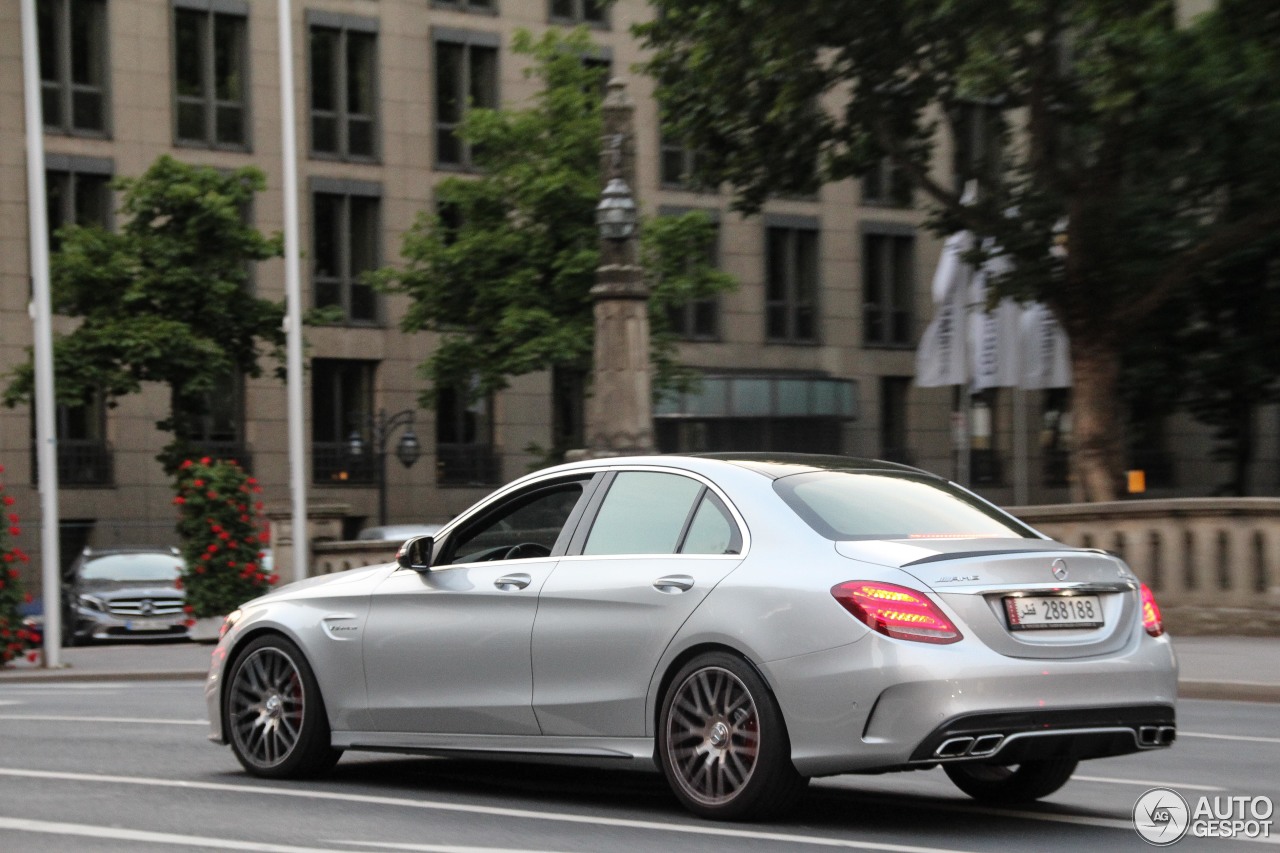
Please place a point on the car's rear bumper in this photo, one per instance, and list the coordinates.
(882, 704)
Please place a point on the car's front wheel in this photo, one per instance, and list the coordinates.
(274, 712)
(1009, 784)
(722, 742)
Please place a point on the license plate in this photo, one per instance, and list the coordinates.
(1031, 613)
(147, 625)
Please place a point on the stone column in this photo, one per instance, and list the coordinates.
(620, 409)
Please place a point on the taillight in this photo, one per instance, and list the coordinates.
(896, 611)
(1151, 613)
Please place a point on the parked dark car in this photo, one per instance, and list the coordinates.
(125, 593)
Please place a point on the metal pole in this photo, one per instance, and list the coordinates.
(381, 428)
(1021, 480)
(41, 315)
(293, 298)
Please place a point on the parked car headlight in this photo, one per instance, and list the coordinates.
(92, 602)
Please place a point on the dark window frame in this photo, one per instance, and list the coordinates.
(886, 324)
(580, 13)
(465, 463)
(77, 169)
(684, 319)
(332, 462)
(62, 87)
(885, 185)
(803, 241)
(212, 11)
(347, 28)
(475, 7)
(468, 42)
(346, 280)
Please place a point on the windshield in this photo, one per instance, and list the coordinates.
(842, 505)
(163, 568)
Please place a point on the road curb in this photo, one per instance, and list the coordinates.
(56, 676)
(1234, 691)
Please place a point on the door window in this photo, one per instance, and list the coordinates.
(644, 513)
(711, 531)
(525, 526)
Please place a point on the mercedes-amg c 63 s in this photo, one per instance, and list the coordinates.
(739, 622)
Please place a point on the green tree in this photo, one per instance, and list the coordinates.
(166, 298)
(503, 270)
(1119, 127)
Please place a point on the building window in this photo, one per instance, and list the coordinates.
(977, 133)
(466, 77)
(699, 319)
(886, 186)
(893, 418)
(888, 288)
(343, 86)
(73, 65)
(791, 285)
(488, 6)
(218, 429)
(210, 67)
(1055, 436)
(679, 164)
(464, 439)
(345, 247)
(579, 12)
(85, 458)
(985, 467)
(78, 193)
(341, 404)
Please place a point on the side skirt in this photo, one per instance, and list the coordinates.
(619, 753)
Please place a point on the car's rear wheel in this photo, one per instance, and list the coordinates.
(274, 712)
(722, 742)
(1017, 783)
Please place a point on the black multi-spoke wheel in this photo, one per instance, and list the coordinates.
(275, 716)
(722, 743)
(1016, 783)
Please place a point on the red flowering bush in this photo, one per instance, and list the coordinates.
(220, 522)
(13, 636)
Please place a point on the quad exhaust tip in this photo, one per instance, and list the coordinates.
(960, 747)
(1151, 736)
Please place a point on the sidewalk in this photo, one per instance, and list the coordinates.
(1239, 668)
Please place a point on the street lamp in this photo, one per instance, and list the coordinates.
(619, 411)
(408, 449)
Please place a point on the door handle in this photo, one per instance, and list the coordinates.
(509, 583)
(673, 584)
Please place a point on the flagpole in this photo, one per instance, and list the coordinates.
(42, 319)
(1020, 473)
(293, 299)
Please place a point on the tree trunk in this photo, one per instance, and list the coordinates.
(1097, 458)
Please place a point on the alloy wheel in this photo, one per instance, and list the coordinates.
(712, 736)
(267, 703)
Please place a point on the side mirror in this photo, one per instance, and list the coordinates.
(416, 554)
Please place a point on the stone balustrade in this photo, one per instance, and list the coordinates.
(1213, 563)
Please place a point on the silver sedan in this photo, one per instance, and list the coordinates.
(741, 623)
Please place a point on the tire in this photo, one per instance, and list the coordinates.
(274, 713)
(1008, 785)
(722, 742)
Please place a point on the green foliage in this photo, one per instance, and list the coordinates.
(166, 298)
(223, 536)
(13, 636)
(1151, 144)
(505, 274)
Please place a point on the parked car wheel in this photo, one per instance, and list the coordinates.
(275, 713)
(1018, 783)
(722, 742)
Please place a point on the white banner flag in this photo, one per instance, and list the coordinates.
(1046, 352)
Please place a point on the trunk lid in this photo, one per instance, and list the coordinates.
(988, 583)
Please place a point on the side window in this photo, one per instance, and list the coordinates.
(712, 531)
(644, 513)
(526, 526)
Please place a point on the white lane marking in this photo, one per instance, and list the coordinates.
(51, 718)
(433, 848)
(117, 834)
(11, 702)
(1143, 783)
(492, 811)
(1250, 739)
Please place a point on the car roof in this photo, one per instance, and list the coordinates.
(776, 465)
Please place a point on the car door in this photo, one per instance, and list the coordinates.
(658, 542)
(447, 650)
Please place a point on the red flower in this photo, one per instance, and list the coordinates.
(204, 460)
(179, 500)
(186, 464)
(258, 506)
(15, 530)
(231, 564)
(199, 484)
(13, 516)
(200, 569)
(188, 609)
(13, 573)
(9, 501)
(211, 494)
(213, 548)
(177, 583)
(273, 579)
(33, 656)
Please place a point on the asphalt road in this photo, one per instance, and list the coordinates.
(125, 766)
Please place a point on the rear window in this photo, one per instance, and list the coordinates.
(842, 505)
(132, 567)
